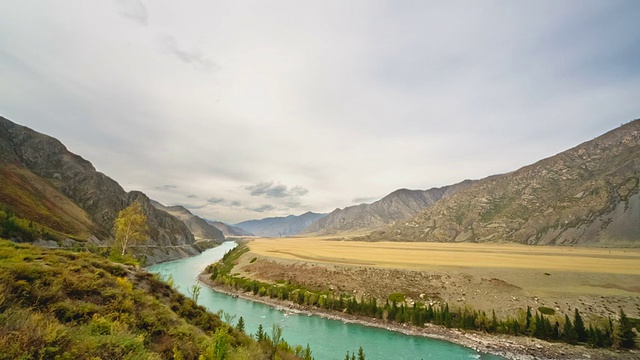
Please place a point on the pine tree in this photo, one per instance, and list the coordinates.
(568, 331)
(625, 331)
(578, 325)
(361, 354)
(555, 333)
(240, 326)
(307, 353)
(528, 317)
(260, 334)
(494, 321)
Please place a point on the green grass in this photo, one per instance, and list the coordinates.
(546, 310)
(59, 304)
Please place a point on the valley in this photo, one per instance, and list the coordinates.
(505, 278)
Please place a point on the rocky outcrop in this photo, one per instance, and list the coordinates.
(280, 226)
(51, 168)
(199, 227)
(400, 204)
(589, 194)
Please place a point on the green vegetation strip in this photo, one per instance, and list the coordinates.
(544, 324)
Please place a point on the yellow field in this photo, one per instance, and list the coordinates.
(426, 256)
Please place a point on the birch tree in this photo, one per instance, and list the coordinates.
(130, 227)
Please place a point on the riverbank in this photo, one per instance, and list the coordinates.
(510, 347)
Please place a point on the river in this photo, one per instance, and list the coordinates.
(329, 339)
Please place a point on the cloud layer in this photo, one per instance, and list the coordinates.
(255, 109)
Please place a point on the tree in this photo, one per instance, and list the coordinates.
(578, 325)
(260, 335)
(625, 332)
(222, 343)
(361, 354)
(240, 326)
(276, 335)
(307, 353)
(194, 292)
(130, 227)
(569, 332)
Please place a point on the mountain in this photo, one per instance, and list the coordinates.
(229, 230)
(400, 204)
(280, 226)
(66, 199)
(588, 195)
(199, 227)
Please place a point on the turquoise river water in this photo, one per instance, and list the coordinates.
(329, 339)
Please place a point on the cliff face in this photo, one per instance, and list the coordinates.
(585, 195)
(40, 164)
(400, 204)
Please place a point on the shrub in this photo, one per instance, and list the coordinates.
(546, 310)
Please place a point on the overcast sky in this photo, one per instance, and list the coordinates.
(247, 109)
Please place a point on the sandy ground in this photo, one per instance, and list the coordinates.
(504, 278)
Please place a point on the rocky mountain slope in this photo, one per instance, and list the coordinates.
(52, 187)
(400, 204)
(589, 194)
(229, 230)
(199, 227)
(280, 226)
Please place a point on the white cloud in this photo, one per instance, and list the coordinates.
(346, 100)
(133, 10)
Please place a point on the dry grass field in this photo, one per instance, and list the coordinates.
(438, 256)
(504, 277)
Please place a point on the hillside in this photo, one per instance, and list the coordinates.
(400, 204)
(280, 226)
(62, 194)
(588, 195)
(69, 305)
(199, 227)
(229, 230)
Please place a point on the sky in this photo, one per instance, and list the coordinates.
(249, 109)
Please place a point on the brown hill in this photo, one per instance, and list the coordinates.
(586, 195)
(46, 184)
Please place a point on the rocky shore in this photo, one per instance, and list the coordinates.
(510, 347)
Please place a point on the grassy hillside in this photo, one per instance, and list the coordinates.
(33, 198)
(68, 305)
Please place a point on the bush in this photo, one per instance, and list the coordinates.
(546, 310)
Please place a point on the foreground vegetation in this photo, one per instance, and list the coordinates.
(59, 304)
(543, 323)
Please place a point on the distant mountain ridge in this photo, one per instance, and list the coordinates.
(280, 226)
(589, 194)
(398, 205)
(199, 227)
(229, 230)
(47, 184)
